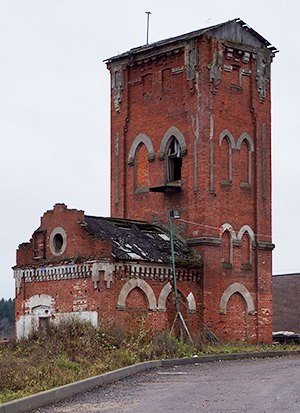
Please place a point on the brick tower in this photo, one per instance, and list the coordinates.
(191, 131)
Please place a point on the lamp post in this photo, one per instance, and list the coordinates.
(175, 215)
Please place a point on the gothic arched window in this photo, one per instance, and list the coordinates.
(227, 143)
(246, 237)
(140, 154)
(173, 160)
(246, 147)
(228, 236)
(141, 168)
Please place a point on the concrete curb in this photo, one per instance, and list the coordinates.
(60, 393)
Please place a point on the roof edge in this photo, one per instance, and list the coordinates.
(190, 35)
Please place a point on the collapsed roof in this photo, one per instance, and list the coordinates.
(138, 240)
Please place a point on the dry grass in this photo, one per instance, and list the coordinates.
(76, 350)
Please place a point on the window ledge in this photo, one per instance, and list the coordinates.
(226, 265)
(141, 190)
(246, 266)
(172, 186)
(245, 185)
(226, 183)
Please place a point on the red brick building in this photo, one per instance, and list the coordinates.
(190, 131)
(102, 270)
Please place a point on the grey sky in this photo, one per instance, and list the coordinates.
(54, 105)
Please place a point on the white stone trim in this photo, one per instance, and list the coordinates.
(242, 290)
(58, 231)
(162, 299)
(136, 283)
(142, 138)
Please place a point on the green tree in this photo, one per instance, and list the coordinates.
(7, 317)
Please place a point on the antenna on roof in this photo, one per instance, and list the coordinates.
(148, 14)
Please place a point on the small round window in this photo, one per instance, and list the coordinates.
(58, 241)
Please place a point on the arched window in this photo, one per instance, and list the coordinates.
(226, 250)
(140, 154)
(141, 138)
(246, 251)
(141, 169)
(228, 235)
(246, 237)
(244, 163)
(246, 146)
(136, 299)
(226, 142)
(132, 284)
(173, 160)
(233, 289)
(172, 150)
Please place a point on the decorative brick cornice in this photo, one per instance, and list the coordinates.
(154, 272)
(55, 273)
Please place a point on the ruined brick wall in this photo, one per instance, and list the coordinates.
(82, 279)
(217, 96)
(112, 304)
(79, 246)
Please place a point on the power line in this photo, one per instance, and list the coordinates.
(217, 228)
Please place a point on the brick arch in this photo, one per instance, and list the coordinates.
(166, 291)
(236, 288)
(139, 139)
(173, 131)
(162, 299)
(226, 227)
(129, 286)
(246, 228)
(245, 137)
(251, 235)
(40, 300)
(141, 169)
(225, 134)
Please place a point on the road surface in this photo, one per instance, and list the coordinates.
(241, 386)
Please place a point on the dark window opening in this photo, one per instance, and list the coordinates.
(44, 324)
(174, 161)
(58, 242)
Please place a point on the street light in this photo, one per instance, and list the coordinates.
(173, 214)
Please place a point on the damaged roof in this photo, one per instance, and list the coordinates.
(138, 240)
(226, 29)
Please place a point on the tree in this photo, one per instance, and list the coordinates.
(7, 317)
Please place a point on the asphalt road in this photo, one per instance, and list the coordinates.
(252, 385)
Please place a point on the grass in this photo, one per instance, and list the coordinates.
(75, 350)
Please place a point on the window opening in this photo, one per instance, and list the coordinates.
(58, 242)
(44, 324)
(174, 161)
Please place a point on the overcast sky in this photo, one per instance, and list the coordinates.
(54, 105)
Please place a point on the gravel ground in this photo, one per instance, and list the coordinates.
(243, 386)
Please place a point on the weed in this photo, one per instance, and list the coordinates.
(75, 350)
(63, 363)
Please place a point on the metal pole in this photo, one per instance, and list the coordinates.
(174, 275)
(148, 14)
